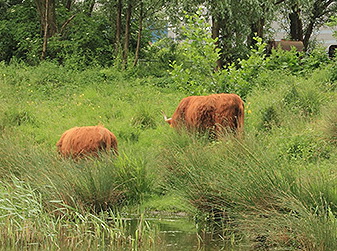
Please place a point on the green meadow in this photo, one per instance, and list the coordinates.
(273, 189)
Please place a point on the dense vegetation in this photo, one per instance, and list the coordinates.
(99, 32)
(273, 188)
(276, 187)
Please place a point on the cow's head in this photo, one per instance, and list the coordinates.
(166, 119)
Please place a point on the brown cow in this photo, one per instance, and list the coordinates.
(285, 45)
(215, 113)
(86, 141)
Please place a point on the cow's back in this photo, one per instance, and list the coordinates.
(200, 113)
(213, 112)
(229, 111)
(79, 141)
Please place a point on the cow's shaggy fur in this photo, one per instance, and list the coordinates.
(214, 113)
(78, 142)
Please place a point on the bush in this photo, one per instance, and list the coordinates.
(84, 43)
(158, 57)
(20, 29)
(285, 60)
(332, 69)
(193, 70)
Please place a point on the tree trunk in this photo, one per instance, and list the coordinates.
(46, 10)
(91, 5)
(215, 35)
(118, 27)
(307, 35)
(68, 4)
(296, 27)
(139, 37)
(127, 34)
(45, 35)
(257, 29)
(317, 11)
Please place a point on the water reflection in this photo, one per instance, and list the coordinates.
(180, 234)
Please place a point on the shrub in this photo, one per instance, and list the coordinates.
(285, 60)
(241, 78)
(158, 57)
(193, 70)
(84, 43)
(19, 26)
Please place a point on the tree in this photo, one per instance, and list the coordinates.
(305, 16)
(119, 8)
(234, 24)
(147, 12)
(140, 29)
(46, 11)
(127, 33)
(296, 26)
(320, 13)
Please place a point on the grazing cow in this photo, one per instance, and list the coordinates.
(285, 45)
(86, 141)
(214, 113)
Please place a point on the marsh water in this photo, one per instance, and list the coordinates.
(179, 233)
(165, 233)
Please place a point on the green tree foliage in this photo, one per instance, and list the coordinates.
(19, 31)
(193, 71)
(233, 23)
(85, 31)
(303, 17)
(86, 41)
(237, 24)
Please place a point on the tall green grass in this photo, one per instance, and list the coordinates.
(274, 188)
(256, 194)
(75, 204)
(25, 223)
(48, 202)
(94, 184)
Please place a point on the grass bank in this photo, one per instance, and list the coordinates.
(273, 188)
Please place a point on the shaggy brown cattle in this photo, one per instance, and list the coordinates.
(86, 141)
(285, 45)
(215, 113)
